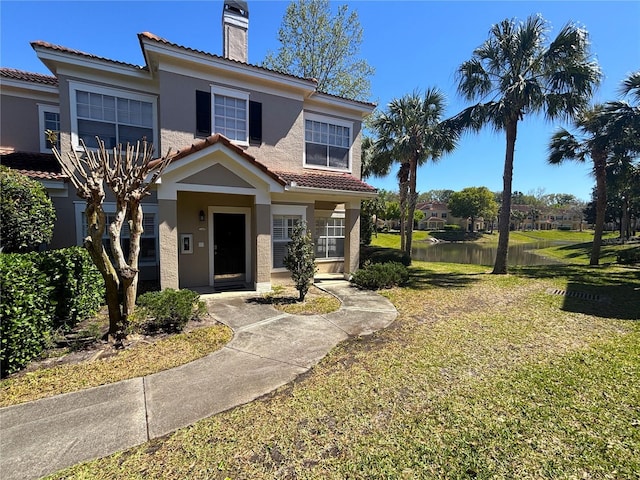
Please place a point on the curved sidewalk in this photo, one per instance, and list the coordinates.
(268, 350)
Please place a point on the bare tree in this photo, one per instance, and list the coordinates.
(129, 172)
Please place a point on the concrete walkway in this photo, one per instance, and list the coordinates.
(268, 350)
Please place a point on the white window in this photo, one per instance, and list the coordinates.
(283, 219)
(49, 119)
(115, 116)
(231, 114)
(327, 142)
(329, 235)
(148, 241)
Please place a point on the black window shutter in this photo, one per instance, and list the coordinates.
(203, 113)
(255, 122)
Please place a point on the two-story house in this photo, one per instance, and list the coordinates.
(255, 151)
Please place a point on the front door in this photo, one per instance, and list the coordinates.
(229, 249)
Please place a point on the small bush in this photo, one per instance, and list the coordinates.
(629, 256)
(369, 254)
(375, 276)
(452, 227)
(170, 310)
(300, 258)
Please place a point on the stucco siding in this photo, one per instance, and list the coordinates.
(20, 123)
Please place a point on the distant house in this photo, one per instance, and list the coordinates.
(257, 152)
(437, 215)
(547, 218)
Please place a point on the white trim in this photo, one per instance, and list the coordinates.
(27, 85)
(46, 55)
(211, 210)
(314, 117)
(42, 109)
(238, 95)
(56, 188)
(74, 86)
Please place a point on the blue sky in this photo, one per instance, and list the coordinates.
(412, 45)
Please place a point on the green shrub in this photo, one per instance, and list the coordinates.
(170, 310)
(452, 227)
(629, 256)
(300, 259)
(375, 276)
(26, 311)
(369, 254)
(26, 211)
(78, 285)
(41, 294)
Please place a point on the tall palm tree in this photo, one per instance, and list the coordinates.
(514, 73)
(411, 131)
(591, 140)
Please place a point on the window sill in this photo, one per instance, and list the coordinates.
(330, 259)
(327, 169)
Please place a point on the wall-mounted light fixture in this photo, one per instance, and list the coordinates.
(202, 215)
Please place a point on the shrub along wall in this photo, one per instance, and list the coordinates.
(42, 292)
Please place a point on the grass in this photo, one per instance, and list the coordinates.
(480, 376)
(316, 302)
(137, 362)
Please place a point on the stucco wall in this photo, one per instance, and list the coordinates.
(282, 122)
(20, 123)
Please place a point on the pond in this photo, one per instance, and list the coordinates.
(479, 254)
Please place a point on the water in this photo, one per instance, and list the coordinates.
(478, 254)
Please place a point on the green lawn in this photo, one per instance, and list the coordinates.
(480, 376)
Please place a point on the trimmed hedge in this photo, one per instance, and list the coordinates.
(629, 256)
(41, 293)
(79, 286)
(26, 210)
(26, 312)
(375, 276)
(170, 310)
(369, 254)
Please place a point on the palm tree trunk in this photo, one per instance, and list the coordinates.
(413, 196)
(500, 266)
(403, 177)
(599, 166)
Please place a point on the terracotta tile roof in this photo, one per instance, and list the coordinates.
(59, 48)
(326, 180)
(14, 74)
(156, 38)
(42, 166)
(311, 179)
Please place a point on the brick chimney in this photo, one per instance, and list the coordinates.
(235, 26)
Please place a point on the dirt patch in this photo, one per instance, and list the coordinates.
(85, 343)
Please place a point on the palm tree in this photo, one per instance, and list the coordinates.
(514, 73)
(591, 140)
(411, 131)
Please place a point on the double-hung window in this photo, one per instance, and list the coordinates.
(329, 235)
(327, 142)
(49, 119)
(115, 116)
(231, 114)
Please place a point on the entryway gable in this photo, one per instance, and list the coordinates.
(218, 168)
(217, 175)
